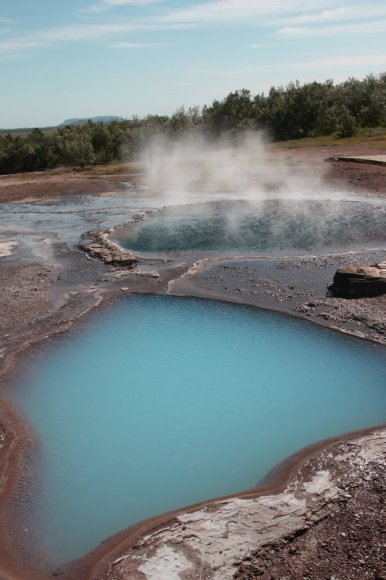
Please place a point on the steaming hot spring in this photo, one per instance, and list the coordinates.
(231, 199)
(268, 225)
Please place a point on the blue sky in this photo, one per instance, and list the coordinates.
(74, 58)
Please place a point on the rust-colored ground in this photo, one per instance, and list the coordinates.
(103, 180)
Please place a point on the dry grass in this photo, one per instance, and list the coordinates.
(375, 137)
(113, 168)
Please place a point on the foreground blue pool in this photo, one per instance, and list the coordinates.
(156, 403)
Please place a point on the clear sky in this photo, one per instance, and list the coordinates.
(71, 58)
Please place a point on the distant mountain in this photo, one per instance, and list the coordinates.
(84, 120)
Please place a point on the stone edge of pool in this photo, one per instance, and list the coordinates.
(15, 446)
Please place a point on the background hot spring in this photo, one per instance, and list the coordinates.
(267, 225)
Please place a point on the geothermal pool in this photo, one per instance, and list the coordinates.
(157, 402)
(269, 225)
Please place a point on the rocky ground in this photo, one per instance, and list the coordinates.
(284, 285)
(328, 532)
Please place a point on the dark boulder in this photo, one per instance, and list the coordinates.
(359, 281)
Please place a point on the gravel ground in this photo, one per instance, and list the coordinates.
(296, 286)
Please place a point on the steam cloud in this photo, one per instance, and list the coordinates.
(197, 169)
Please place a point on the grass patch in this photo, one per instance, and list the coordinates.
(376, 136)
(112, 169)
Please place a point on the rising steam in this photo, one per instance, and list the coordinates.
(194, 167)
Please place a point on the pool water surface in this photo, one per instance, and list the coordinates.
(265, 225)
(158, 402)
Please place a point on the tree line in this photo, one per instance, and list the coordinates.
(290, 112)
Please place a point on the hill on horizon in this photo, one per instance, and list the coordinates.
(84, 120)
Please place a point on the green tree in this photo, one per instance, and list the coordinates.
(233, 114)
